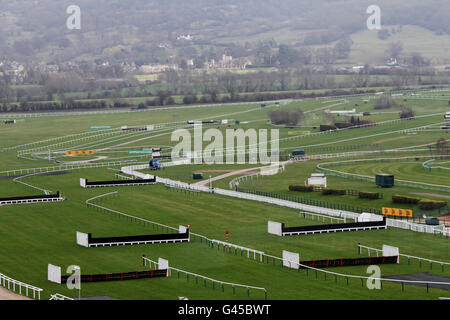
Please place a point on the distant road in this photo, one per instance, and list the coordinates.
(8, 295)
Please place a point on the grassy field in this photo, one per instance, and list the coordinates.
(367, 47)
(34, 235)
(402, 169)
(298, 173)
(50, 230)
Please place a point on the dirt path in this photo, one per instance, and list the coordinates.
(391, 139)
(85, 161)
(8, 295)
(225, 175)
(327, 107)
(217, 170)
(133, 141)
(225, 171)
(233, 173)
(431, 195)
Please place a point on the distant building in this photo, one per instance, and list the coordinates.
(157, 68)
(392, 62)
(228, 62)
(14, 70)
(186, 37)
(357, 68)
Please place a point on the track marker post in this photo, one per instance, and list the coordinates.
(226, 240)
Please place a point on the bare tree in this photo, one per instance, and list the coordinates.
(394, 49)
(288, 117)
(406, 113)
(442, 146)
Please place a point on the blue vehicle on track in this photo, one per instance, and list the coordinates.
(154, 164)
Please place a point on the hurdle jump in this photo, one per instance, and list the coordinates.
(146, 128)
(54, 275)
(119, 276)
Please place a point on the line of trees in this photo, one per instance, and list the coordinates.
(193, 84)
(384, 102)
(60, 106)
(166, 98)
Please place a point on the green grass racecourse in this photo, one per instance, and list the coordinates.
(298, 173)
(33, 235)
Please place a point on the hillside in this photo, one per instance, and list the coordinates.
(149, 31)
(368, 48)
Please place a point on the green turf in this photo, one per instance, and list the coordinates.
(34, 235)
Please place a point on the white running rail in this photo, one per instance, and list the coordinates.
(207, 278)
(58, 296)
(66, 167)
(236, 247)
(11, 284)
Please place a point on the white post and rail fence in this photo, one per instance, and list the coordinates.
(20, 287)
(205, 279)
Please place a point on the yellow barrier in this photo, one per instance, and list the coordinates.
(79, 152)
(398, 212)
(290, 133)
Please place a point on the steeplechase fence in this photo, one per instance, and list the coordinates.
(117, 183)
(32, 199)
(119, 276)
(86, 240)
(420, 260)
(55, 275)
(348, 262)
